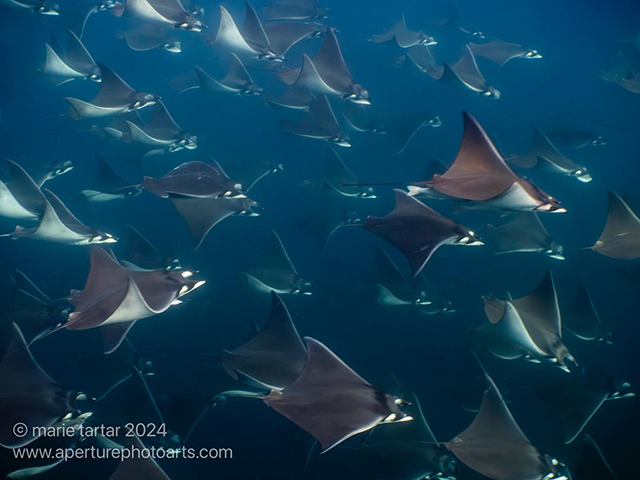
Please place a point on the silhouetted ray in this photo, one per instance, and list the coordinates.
(423, 59)
(320, 123)
(334, 172)
(494, 446)
(237, 80)
(631, 84)
(202, 214)
(276, 272)
(577, 398)
(284, 35)
(480, 176)
(418, 231)
(163, 12)
(295, 10)
(576, 138)
(454, 18)
(195, 180)
(43, 173)
(327, 74)
(149, 36)
(500, 52)
(114, 97)
(73, 63)
(29, 395)
(20, 197)
(404, 126)
(621, 235)
(114, 297)
(76, 18)
(360, 120)
(524, 234)
(621, 70)
(139, 466)
(434, 167)
(403, 37)
(250, 171)
(465, 74)
(544, 155)
(593, 465)
(348, 405)
(42, 7)
(107, 184)
(295, 98)
(143, 254)
(275, 356)
(581, 318)
(59, 225)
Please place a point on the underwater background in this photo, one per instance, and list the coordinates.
(429, 354)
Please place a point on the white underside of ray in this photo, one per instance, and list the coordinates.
(95, 196)
(140, 136)
(514, 198)
(51, 229)
(229, 35)
(385, 297)
(513, 328)
(54, 65)
(259, 286)
(143, 11)
(133, 307)
(11, 208)
(310, 79)
(89, 110)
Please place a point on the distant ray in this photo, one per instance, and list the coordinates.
(143, 254)
(494, 446)
(275, 356)
(500, 52)
(576, 138)
(42, 7)
(621, 235)
(524, 234)
(163, 12)
(403, 127)
(251, 171)
(334, 172)
(20, 196)
(348, 405)
(454, 18)
(115, 97)
(237, 80)
(360, 120)
(544, 155)
(284, 35)
(75, 62)
(327, 74)
(44, 173)
(465, 74)
(320, 123)
(295, 10)
(403, 37)
(423, 59)
(29, 395)
(621, 70)
(418, 231)
(149, 36)
(480, 176)
(581, 318)
(76, 18)
(59, 225)
(276, 272)
(577, 398)
(114, 297)
(631, 84)
(107, 184)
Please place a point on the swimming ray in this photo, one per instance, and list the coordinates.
(45, 172)
(276, 272)
(42, 7)
(423, 59)
(393, 289)
(621, 235)
(162, 132)
(544, 155)
(621, 70)
(107, 184)
(334, 172)
(320, 123)
(327, 74)
(114, 97)
(164, 12)
(359, 120)
(295, 98)
(237, 80)
(149, 36)
(251, 171)
(348, 405)
(581, 318)
(204, 213)
(142, 254)
(465, 74)
(403, 127)
(75, 19)
(403, 37)
(284, 35)
(576, 138)
(577, 398)
(480, 176)
(275, 356)
(500, 52)
(29, 396)
(59, 225)
(418, 231)
(139, 467)
(20, 196)
(295, 10)
(454, 18)
(631, 84)
(524, 234)
(494, 446)
(74, 63)
(115, 297)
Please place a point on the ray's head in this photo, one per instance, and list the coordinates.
(251, 90)
(107, 5)
(555, 251)
(582, 174)
(343, 139)
(466, 237)
(532, 54)
(142, 100)
(62, 168)
(598, 141)
(47, 8)
(102, 237)
(491, 92)
(173, 46)
(426, 40)
(95, 75)
(191, 25)
(360, 95)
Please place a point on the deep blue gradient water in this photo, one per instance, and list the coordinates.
(578, 40)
